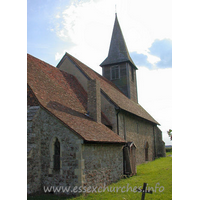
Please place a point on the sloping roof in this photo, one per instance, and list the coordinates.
(62, 95)
(118, 51)
(117, 97)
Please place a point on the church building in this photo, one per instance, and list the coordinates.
(85, 129)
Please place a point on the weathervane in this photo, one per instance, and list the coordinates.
(115, 9)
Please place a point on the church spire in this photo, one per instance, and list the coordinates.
(118, 51)
(118, 67)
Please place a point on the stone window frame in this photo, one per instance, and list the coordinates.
(57, 155)
(116, 69)
(51, 151)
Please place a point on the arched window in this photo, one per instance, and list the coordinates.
(146, 151)
(56, 155)
(55, 150)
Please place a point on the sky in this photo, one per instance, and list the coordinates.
(84, 28)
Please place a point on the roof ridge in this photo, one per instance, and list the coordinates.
(82, 92)
(52, 79)
(99, 75)
(39, 60)
(47, 85)
(126, 104)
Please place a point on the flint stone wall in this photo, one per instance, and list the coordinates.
(139, 131)
(103, 164)
(40, 171)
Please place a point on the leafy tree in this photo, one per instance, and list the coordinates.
(169, 132)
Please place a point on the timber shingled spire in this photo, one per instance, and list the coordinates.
(118, 51)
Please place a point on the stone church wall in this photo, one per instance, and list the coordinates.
(160, 145)
(103, 164)
(139, 131)
(47, 127)
(109, 110)
(70, 146)
(33, 151)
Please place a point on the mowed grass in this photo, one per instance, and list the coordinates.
(157, 174)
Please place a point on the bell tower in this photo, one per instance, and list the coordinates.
(118, 67)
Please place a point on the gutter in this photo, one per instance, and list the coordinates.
(103, 142)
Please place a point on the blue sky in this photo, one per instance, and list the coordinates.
(159, 48)
(41, 41)
(83, 29)
(49, 22)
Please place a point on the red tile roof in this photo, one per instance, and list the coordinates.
(62, 95)
(113, 92)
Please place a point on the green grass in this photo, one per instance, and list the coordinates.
(156, 172)
(169, 153)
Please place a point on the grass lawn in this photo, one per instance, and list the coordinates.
(156, 173)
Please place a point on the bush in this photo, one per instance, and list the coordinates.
(169, 149)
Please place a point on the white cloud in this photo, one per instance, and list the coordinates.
(88, 25)
(59, 56)
(57, 16)
(155, 95)
(152, 59)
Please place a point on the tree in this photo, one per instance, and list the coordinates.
(169, 132)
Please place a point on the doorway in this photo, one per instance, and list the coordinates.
(129, 159)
